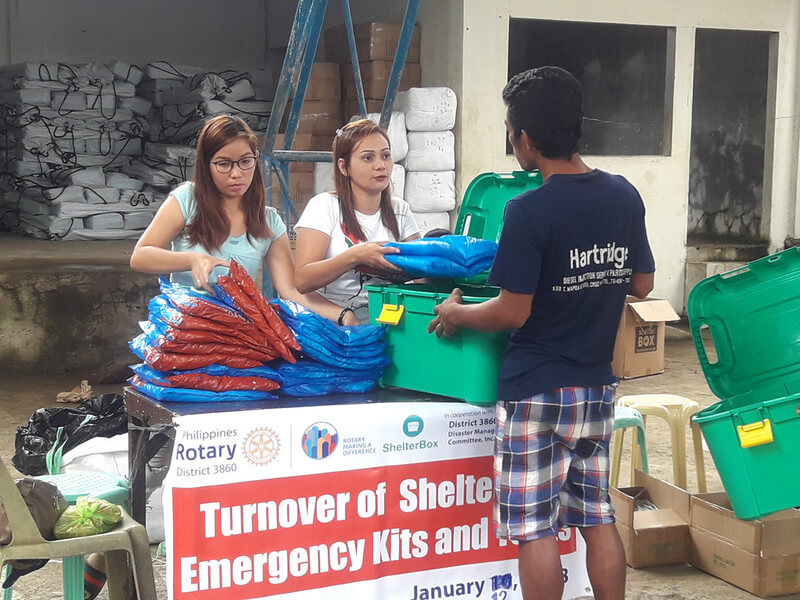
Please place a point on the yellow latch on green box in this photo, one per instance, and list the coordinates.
(755, 434)
(391, 314)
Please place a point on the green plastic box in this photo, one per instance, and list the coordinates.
(467, 365)
(752, 315)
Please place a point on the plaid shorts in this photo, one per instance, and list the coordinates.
(551, 462)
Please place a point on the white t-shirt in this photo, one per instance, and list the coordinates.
(324, 214)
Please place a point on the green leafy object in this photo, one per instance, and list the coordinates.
(89, 516)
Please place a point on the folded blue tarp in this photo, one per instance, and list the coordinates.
(450, 256)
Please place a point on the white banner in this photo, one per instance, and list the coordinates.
(385, 500)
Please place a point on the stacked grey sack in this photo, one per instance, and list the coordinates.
(66, 131)
(430, 115)
(183, 98)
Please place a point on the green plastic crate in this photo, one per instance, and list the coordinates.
(467, 365)
(753, 316)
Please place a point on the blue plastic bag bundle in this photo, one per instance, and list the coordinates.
(449, 256)
(358, 348)
(168, 394)
(308, 377)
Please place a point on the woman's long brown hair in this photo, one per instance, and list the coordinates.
(347, 138)
(210, 226)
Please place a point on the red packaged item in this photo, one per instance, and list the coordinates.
(212, 383)
(168, 361)
(241, 277)
(165, 344)
(161, 311)
(248, 307)
(207, 307)
(204, 336)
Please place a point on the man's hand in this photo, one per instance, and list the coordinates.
(442, 325)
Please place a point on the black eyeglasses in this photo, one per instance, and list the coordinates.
(226, 166)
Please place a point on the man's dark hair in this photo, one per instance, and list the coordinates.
(547, 104)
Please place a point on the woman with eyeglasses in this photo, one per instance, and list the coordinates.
(222, 215)
(341, 234)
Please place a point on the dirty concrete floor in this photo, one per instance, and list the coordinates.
(21, 396)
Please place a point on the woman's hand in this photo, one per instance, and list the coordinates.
(202, 265)
(373, 254)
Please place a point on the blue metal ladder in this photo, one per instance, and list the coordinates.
(300, 53)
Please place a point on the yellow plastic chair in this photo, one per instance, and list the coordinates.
(127, 541)
(677, 411)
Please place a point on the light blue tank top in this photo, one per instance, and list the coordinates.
(248, 253)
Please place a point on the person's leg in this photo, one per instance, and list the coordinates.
(584, 498)
(605, 561)
(94, 576)
(540, 569)
(531, 464)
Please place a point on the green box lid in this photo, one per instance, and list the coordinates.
(483, 207)
(753, 316)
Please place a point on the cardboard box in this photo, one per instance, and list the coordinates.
(760, 556)
(302, 141)
(375, 77)
(317, 117)
(322, 143)
(374, 41)
(657, 536)
(300, 192)
(351, 107)
(639, 349)
(324, 83)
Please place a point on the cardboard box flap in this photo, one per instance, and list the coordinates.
(623, 500)
(657, 519)
(654, 311)
(663, 494)
(775, 535)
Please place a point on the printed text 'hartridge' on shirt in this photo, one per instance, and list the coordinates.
(596, 255)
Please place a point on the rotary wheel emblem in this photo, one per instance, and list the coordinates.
(261, 446)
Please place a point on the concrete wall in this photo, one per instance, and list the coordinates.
(195, 32)
(70, 320)
(662, 180)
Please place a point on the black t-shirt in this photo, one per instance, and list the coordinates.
(574, 244)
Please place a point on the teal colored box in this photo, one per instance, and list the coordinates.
(752, 315)
(467, 365)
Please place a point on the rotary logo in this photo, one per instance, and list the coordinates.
(261, 446)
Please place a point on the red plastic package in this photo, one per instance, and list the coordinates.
(263, 355)
(207, 307)
(212, 383)
(205, 336)
(162, 311)
(247, 306)
(241, 277)
(168, 361)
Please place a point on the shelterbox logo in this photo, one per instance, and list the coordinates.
(413, 426)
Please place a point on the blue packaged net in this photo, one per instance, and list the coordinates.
(310, 378)
(167, 394)
(214, 378)
(358, 348)
(450, 256)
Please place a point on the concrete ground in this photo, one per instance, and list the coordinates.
(20, 396)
